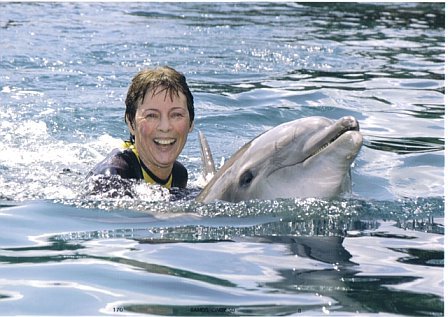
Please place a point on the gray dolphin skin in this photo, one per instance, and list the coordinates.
(304, 158)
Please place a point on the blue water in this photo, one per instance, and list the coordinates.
(64, 73)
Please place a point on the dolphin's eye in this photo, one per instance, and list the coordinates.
(246, 178)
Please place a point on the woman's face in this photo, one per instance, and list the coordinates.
(161, 128)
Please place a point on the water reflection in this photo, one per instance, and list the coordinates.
(271, 262)
(406, 145)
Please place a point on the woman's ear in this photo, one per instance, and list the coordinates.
(191, 127)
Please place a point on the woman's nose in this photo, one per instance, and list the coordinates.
(164, 124)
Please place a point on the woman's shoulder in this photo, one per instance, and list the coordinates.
(122, 162)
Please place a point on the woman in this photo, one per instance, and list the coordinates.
(159, 115)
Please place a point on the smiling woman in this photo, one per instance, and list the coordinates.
(159, 114)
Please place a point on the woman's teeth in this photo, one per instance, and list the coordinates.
(164, 141)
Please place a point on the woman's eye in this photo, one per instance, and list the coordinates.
(152, 116)
(177, 115)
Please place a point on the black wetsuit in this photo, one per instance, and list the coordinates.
(125, 164)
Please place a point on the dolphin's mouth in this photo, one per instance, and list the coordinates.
(322, 140)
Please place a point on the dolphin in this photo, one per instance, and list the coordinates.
(303, 158)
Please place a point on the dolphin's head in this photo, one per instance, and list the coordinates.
(309, 157)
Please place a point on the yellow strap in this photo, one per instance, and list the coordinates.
(148, 179)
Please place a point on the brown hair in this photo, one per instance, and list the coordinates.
(147, 80)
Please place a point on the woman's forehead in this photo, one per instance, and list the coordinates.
(163, 97)
(171, 92)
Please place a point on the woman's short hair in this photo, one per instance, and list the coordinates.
(156, 80)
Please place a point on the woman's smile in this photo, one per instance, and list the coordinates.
(164, 141)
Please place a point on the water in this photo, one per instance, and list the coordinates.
(64, 73)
